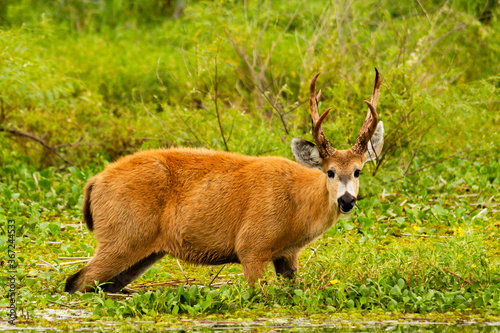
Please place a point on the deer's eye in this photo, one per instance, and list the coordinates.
(356, 173)
(331, 174)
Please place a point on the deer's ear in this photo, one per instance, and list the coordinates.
(306, 153)
(376, 143)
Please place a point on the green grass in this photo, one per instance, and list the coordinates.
(107, 80)
(372, 261)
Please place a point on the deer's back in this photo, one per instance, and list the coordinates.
(193, 202)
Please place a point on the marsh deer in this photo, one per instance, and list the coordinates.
(209, 207)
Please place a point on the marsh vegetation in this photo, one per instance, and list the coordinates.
(85, 82)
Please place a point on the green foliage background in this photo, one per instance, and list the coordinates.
(99, 79)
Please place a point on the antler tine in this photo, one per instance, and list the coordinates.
(312, 100)
(324, 146)
(376, 89)
(371, 120)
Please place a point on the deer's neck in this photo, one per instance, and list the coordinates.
(316, 209)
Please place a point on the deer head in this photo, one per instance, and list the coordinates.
(342, 167)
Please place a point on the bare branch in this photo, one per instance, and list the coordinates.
(216, 275)
(216, 92)
(427, 166)
(36, 139)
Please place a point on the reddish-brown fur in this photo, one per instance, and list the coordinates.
(209, 207)
(204, 207)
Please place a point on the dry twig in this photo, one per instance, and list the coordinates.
(50, 265)
(36, 139)
(185, 276)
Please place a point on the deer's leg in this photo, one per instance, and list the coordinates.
(287, 266)
(106, 263)
(253, 269)
(118, 282)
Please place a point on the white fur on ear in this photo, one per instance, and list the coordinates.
(306, 153)
(376, 143)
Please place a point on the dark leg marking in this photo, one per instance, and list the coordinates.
(118, 282)
(87, 214)
(285, 267)
(70, 283)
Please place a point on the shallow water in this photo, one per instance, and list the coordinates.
(77, 321)
(222, 327)
(369, 326)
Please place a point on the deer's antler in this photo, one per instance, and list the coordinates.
(371, 121)
(324, 146)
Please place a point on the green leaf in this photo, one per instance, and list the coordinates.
(396, 291)
(363, 290)
(401, 283)
(348, 226)
(439, 211)
(44, 184)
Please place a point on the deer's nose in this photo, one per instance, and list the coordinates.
(346, 202)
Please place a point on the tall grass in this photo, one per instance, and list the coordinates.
(125, 79)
